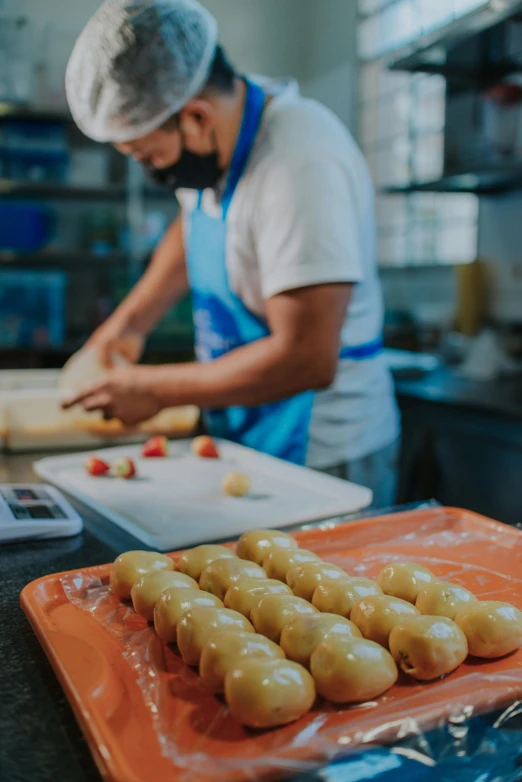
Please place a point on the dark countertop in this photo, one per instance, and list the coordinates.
(40, 740)
(503, 397)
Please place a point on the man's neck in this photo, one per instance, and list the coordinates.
(230, 110)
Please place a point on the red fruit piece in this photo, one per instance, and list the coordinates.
(205, 447)
(124, 468)
(156, 448)
(96, 467)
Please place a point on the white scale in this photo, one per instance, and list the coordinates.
(36, 511)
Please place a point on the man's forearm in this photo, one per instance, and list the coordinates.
(260, 373)
(163, 284)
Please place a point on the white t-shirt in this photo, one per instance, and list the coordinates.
(303, 214)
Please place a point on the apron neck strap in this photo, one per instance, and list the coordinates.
(253, 114)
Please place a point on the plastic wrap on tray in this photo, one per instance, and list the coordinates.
(432, 726)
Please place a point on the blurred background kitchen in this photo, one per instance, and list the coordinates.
(433, 91)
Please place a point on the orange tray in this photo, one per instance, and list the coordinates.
(146, 716)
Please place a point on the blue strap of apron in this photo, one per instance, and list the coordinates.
(252, 116)
(363, 352)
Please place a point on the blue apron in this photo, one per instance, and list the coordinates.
(223, 323)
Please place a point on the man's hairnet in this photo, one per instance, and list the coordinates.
(136, 63)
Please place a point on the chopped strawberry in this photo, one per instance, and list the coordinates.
(205, 447)
(124, 468)
(96, 466)
(156, 448)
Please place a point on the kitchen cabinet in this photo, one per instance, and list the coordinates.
(462, 451)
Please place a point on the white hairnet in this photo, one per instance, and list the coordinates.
(136, 63)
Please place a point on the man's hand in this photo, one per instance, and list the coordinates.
(126, 394)
(300, 354)
(115, 337)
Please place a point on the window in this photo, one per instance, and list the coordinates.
(401, 132)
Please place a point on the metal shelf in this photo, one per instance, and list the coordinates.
(429, 52)
(478, 80)
(60, 191)
(29, 113)
(60, 258)
(480, 181)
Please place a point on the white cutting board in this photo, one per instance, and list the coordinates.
(178, 501)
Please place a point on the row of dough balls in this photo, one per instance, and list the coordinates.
(209, 605)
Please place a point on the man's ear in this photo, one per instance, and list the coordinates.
(197, 117)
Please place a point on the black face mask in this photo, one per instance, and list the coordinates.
(196, 172)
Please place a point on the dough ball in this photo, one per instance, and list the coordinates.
(256, 545)
(222, 573)
(339, 597)
(173, 603)
(264, 693)
(225, 650)
(146, 593)
(194, 561)
(377, 615)
(352, 670)
(128, 568)
(303, 634)
(246, 593)
(304, 579)
(404, 580)
(427, 647)
(493, 629)
(440, 598)
(198, 625)
(273, 612)
(236, 484)
(278, 561)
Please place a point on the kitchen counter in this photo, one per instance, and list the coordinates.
(462, 442)
(503, 397)
(39, 738)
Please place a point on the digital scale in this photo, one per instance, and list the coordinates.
(36, 511)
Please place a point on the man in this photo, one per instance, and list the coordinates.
(275, 241)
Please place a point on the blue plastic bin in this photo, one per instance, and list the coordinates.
(32, 308)
(24, 227)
